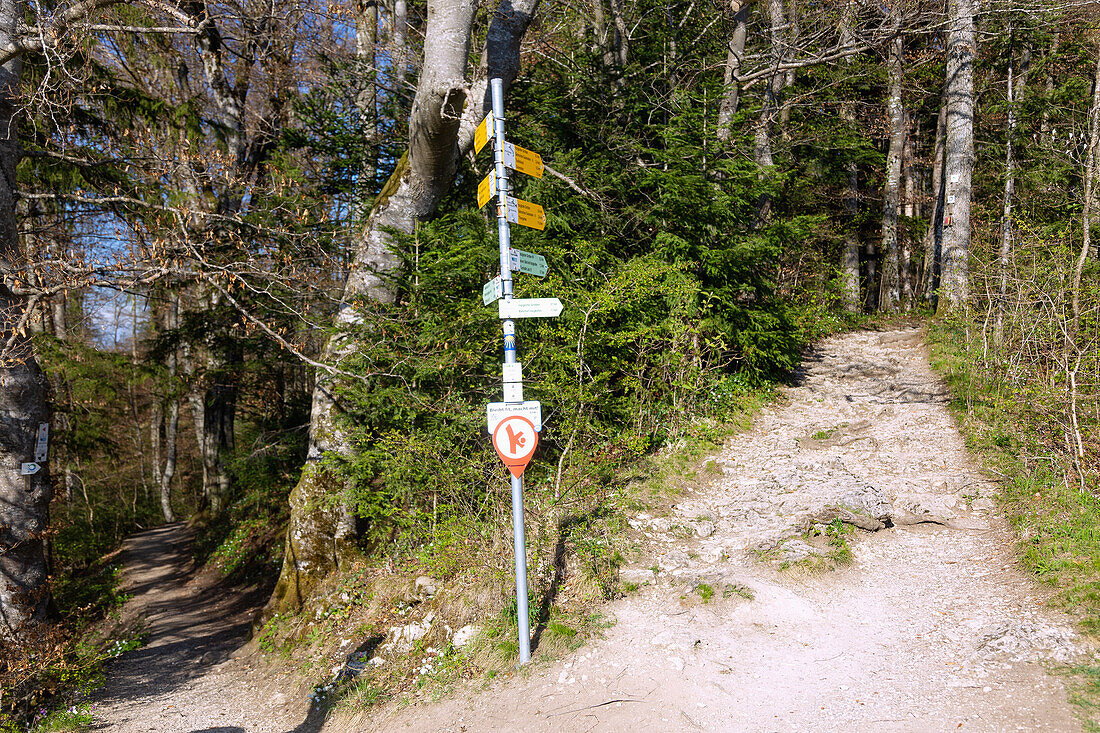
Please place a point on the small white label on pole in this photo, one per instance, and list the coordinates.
(530, 308)
(512, 373)
(497, 411)
(513, 391)
(29, 469)
(492, 290)
(41, 446)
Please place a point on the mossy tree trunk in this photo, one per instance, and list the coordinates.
(320, 535)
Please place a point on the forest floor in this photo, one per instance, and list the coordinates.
(755, 605)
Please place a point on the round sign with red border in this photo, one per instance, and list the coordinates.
(515, 441)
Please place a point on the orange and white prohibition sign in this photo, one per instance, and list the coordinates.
(515, 440)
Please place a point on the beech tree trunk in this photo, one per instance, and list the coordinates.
(366, 44)
(958, 154)
(788, 76)
(320, 534)
(24, 500)
(170, 419)
(769, 110)
(911, 176)
(933, 236)
(889, 289)
(849, 258)
(727, 108)
(400, 54)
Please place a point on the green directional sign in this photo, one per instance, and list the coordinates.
(492, 290)
(529, 262)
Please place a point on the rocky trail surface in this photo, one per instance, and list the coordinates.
(929, 627)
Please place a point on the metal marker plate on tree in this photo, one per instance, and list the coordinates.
(483, 133)
(41, 446)
(487, 189)
(529, 262)
(497, 411)
(530, 308)
(29, 469)
(525, 213)
(492, 290)
(522, 160)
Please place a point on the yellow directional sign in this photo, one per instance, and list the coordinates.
(487, 189)
(525, 213)
(483, 133)
(522, 160)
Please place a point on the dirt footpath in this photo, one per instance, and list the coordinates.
(189, 675)
(930, 628)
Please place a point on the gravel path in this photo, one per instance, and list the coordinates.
(931, 627)
(189, 677)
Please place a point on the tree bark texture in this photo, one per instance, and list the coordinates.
(933, 236)
(958, 154)
(320, 535)
(366, 45)
(769, 110)
(731, 86)
(24, 500)
(849, 258)
(889, 288)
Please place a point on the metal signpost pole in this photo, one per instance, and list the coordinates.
(522, 617)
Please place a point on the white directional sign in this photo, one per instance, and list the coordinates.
(530, 308)
(492, 290)
(29, 469)
(41, 446)
(529, 262)
(497, 411)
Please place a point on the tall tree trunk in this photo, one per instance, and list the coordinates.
(320, 535)
(933, 236)
(889, 289)
(765, 125)
(400, 53)
(1014, 90)
(172, 419)
(958, 154)
(622, 42)
(731, 87)
(24, 500)
(849, 259)
(911, 176)
(789, 76)
(366, 44)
